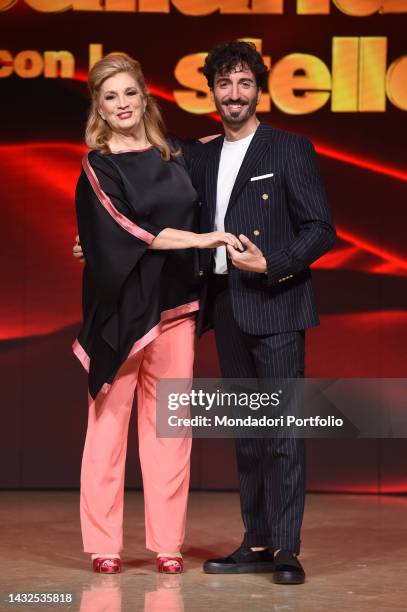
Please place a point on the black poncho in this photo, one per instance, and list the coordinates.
(123, 200)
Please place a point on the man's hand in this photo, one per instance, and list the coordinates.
(251, 259)
(77, 250)
(206, 139)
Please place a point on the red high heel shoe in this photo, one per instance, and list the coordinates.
(170, 565)
(106, 565)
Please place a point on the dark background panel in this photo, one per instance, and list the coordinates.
(361, 285)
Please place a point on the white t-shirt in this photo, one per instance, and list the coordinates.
(233, 152)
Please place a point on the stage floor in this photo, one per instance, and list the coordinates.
(354, 550)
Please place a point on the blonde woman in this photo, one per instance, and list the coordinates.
(136, 211)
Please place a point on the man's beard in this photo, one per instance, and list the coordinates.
(240, 117)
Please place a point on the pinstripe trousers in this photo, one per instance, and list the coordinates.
(272, 470)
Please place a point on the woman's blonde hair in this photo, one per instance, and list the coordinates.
(98, 132)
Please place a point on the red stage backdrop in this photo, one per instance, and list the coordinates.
(338, 75)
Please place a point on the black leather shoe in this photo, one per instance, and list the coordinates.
(241, 561)
(287, 569)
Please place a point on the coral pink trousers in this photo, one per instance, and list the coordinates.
(164, 461)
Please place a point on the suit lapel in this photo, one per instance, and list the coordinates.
(211, 175)
(258, 146)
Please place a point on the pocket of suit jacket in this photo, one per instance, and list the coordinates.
(262, 176)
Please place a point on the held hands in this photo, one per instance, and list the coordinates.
(212, 240)
(251, 259)
(77, 250)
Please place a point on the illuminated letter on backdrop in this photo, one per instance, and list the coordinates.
(95, 54)
(28, 64)
(187, 72)
(313, 7)
(5, 5)
(64, 59)
(206, 7)
(394, 6)
(197, 7)
(364, 8)
(355, 8)
(6, 63)
(345, 66)
(153, 6)
(372, 74)
(87, 5)
(50, 6)
(128, 6)
(283, 83)
(397, 83)
(256, 7)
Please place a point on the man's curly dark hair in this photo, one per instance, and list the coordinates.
(225, 58)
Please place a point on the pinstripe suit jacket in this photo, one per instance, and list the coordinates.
(286, 215)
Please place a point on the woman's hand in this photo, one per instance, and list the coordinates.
(212, 240)
(206, 139)
(77, 250)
